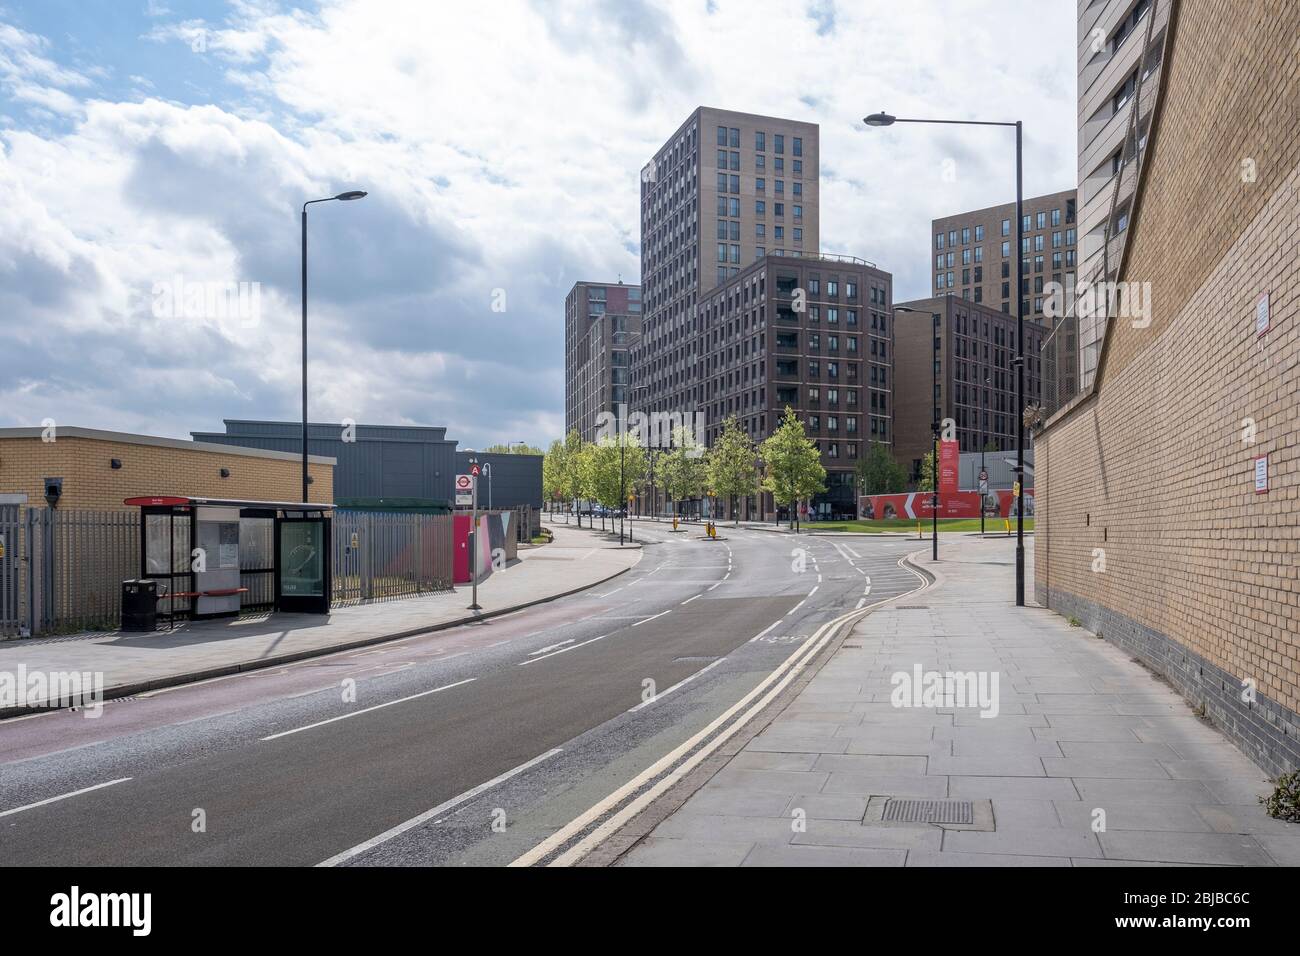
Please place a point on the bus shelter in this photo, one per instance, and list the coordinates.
(215, 557)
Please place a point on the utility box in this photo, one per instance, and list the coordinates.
(140, 605)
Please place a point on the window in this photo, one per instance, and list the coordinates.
(778, 143)
(760, 231)
(798, 234)
(734, 139)
(760, 208)
(735, 184)
(1042, 220)
(733, 208)
(760, 161)
(778, 209)
(760, 185)
(850, 290)
(798, 212)
(798, 167)
(1006, 249)
(796, 189)
(979, 233)
(722, 159)
(760, 141)
(722, 136)
(965, 235)
(780, 187)
(1056, 218)
(798, 146)
(780, 232)
(938, 240)
(1006, 227)
(735, 162)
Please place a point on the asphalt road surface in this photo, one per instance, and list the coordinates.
(463, 747)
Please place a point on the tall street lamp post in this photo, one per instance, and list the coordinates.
(983, 442)
(342, 197)
(884, 119)
(934, 425)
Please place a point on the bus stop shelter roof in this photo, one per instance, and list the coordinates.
(184, 500)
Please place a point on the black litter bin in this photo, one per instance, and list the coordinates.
(140, 605)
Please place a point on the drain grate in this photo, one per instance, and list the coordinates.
(929, 811)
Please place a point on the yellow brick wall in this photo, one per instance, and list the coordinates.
(1155, 468)
(90, 482)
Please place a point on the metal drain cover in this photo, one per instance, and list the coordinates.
(929, 811)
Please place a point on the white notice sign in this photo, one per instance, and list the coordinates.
(1261, 475)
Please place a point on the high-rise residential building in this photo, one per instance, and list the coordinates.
(725, 190)
(812, 333)
(600, 322)
(976, 346)
(1121, 44)
(972, 258)
(1166, 492)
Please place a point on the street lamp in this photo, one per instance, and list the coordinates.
(341, 197)
(983, 442)
(934, 425)
(885, 119)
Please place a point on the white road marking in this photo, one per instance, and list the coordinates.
(861, 601)
(681, 683)
(65, 796)
(765, 630)
(651, 618)
(690, 599)
(551, 647)
(357, 713)
(563, 650)
(430, 814)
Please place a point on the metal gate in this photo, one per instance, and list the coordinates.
(12, 605)
(383, 555)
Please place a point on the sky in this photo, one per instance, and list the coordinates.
(155, 155)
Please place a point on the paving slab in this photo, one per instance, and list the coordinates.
(1080, 727)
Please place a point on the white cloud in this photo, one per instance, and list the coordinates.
(501, 150)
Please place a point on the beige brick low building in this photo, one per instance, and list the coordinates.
(1151, 526)
(84, 458)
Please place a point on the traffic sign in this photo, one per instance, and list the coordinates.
(464, 489)
(474, 470)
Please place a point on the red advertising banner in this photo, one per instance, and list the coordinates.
(949, 456)
(961, 504)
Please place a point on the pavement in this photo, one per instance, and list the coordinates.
(198, 650)
(1088, 758)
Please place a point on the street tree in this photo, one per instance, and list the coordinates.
(553, 476)
(879, 473)
(927, 482)
(732, 471)
(794, 467)
(682, 471)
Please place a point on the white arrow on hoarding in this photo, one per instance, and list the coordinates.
(907, 505)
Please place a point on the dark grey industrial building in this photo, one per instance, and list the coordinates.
(393, 461)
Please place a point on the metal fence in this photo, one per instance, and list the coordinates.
(379, 555)
(63, 570)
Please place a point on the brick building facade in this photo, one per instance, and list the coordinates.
(1152, 470)
(84, 457)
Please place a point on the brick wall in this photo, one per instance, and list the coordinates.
(90, 482)
(1155, 467)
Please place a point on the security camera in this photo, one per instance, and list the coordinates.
(53, 491)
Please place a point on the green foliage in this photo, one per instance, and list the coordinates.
(794, 467)
(927, 473)
(1284, 802)
(572, 472)
(879, 473)
(553, 471)
(683, 471)
(608, 469)
(731, 469)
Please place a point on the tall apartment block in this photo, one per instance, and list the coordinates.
(976, 344)
(972, 259)
(813, 333)
(600, 321)
(725, 190)
(1121, 44)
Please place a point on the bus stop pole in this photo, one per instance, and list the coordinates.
(473, 541)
